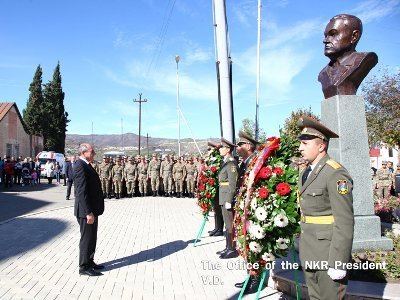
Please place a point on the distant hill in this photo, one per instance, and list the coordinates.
(105, 142)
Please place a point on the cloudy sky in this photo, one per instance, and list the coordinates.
(110, 51)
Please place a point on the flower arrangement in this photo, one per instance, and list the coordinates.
(207, 184)
(266, 210)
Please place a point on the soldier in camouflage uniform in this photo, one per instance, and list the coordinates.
(166, 175)
(153, 172)
(142, 176)
(105, 177)
(384, 181)
(117, 176)
(179, 174)
(191, 171)
(130, 176)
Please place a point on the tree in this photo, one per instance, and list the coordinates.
(249, 127)
(382, 104)
(291, 130)
(32, 114)
(56, 116)
(290, 127)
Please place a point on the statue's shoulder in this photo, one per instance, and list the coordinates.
(359, 59)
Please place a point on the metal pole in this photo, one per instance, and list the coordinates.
(92, 134)
(258, 69)
(122, 134)
(140, 114)
(177, 58)
(221, 33)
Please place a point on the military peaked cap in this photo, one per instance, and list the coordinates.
(213, 145)
(312, 129)
(226, 143)
(245, 138)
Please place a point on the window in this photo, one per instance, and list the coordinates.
(16, 149)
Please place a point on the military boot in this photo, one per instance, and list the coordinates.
(109, 196)
(117, 196)
(232, 252)
(252, 285)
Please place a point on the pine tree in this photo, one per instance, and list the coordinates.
(32, 115)
(56, 116)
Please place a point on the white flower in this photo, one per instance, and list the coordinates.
(261, 214)
(281, 220)
(253, 203)
(255, 247)
(257, 231)
(241, 205)
(268, 257)
(281, 243)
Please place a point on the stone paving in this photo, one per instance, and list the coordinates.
(145, 243)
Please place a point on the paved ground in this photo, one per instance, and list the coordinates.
(145, 244)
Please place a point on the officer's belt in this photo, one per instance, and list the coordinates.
(317, 219)
(224, 183)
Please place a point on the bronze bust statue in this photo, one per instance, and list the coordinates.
(347, 67)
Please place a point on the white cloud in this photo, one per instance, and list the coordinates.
(373, 10)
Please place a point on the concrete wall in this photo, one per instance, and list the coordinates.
(12, 133)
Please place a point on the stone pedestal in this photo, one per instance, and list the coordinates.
(345, 115)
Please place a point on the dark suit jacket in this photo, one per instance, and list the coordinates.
(69, 172)
(88, 193)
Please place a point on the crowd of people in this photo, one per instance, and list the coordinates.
(139, 176)
(19, 171)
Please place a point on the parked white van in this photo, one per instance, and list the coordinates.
(43, 156)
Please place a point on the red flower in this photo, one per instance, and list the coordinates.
(213, 169)
(211, 181)
(264, 173)
(283, 188)
(278, 171)
(208, 196)
(201, 187)
(263, 192)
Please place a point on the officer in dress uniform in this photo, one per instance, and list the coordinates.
(218, 219)
(327, 216)
(227, 178)
(245, 148)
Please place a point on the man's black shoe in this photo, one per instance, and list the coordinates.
(211, 232)
(67, 198)
(240, 284)
(229, 254)
(90, 272)
(222, 251)
(218, 233)
(97, 267)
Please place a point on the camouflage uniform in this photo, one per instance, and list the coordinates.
(153, 172)
(191, 170)
(142, 177)
(117, 176)
(384, 180)
(179, 174)
(166, 174)
(130, 175)
(105, 177)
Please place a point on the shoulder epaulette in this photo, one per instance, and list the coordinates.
(333, 164)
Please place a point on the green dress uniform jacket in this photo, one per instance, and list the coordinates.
(227, 178)
(327, 222)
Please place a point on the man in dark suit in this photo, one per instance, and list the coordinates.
(89, 204)
(69, 175)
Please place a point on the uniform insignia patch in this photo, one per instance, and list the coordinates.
(342, 187)
(233, 169)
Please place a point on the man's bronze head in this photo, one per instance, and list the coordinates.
(342, 35)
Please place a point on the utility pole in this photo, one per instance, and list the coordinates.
(92, 134)
(140, 101)
(122, 134)
(177, 58)
(258, 70)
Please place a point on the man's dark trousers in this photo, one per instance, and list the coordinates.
(69, 186)
(87, 243)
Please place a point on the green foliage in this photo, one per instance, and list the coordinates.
(382, 102)
(55, 114)
(249, 127)
(290, 127)
(32, 114)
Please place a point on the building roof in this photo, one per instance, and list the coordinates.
(5, 108)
